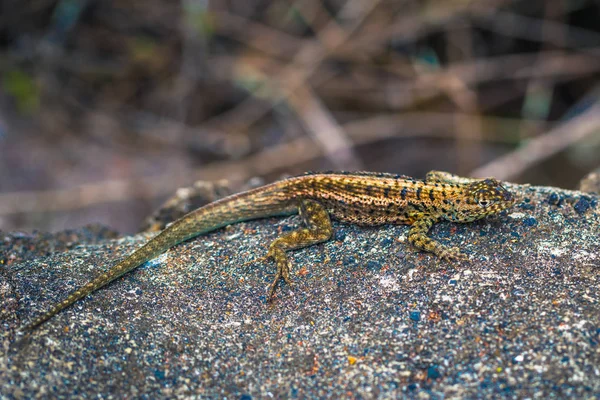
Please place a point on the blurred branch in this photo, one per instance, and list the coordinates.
(537, 30)
(125, 69)
(408, 29)
(280, 157)
(194, 53)
(310, 11)
(516, 66)
(403, 94)
(323, 127)
(272, 42)
(544, 146)
(304, 64)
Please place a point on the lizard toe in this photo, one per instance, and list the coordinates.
(453, 255)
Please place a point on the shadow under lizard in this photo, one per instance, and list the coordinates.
(362, 198)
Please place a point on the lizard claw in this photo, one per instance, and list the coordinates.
(283, 272)
(273, 286)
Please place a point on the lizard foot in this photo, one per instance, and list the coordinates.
(283, 271)
(453, 255)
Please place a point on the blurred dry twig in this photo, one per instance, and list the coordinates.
(193, 89)
(541, 147)
(270, 160)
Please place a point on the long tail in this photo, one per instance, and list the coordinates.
(262, 202)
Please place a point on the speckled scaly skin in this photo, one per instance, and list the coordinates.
(362, 198)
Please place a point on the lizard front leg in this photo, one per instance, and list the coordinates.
(417, 236)
(318, 229)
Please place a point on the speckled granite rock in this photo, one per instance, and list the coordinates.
(368, 316)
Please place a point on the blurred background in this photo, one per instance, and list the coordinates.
(108, 107)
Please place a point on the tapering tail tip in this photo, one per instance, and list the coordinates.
(31, 326)
(28, 328)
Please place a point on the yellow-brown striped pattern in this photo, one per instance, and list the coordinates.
(363, 198)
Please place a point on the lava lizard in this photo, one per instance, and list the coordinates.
(363, 198)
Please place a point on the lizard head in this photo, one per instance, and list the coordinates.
(480, 199)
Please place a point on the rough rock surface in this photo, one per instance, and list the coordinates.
(368, 316)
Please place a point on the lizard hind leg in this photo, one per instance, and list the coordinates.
(318, 229)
